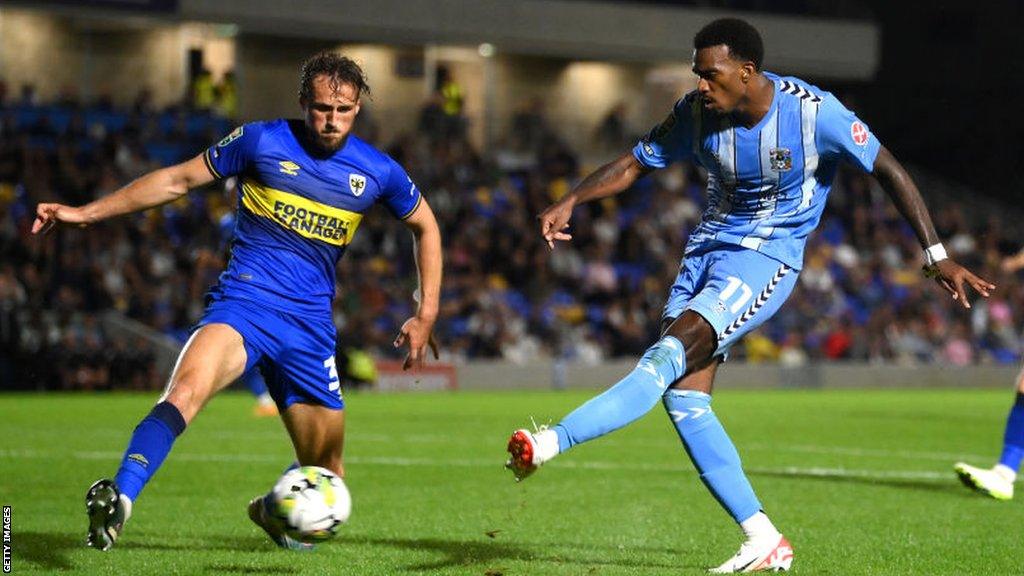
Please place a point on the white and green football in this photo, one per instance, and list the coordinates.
(310, 503)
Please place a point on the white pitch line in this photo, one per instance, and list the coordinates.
(376, 438)
(868, 452)
(822, 472)
(781, 447)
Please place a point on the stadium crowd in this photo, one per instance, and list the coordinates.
(861, 295)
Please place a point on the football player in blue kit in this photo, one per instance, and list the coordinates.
(998, 480)
(305, 187)
(771, 146)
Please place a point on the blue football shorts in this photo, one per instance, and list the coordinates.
(734, 288)
(294, 353)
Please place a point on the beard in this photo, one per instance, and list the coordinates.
(328, 144)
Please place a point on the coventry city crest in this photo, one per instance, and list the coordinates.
(781, 159)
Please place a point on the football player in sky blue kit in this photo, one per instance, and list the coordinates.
(305, 187)
(771, 146)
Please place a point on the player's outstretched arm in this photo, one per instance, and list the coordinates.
(1011, 264)
(901, 188)
(155, 188)
(608, 180)
(416, 331)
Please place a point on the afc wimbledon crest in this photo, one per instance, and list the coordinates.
(357, 182)
(781, 159)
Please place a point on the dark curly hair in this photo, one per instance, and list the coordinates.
(339, 69)
(743, 40)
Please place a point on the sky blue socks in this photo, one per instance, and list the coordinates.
(631, 398)
(702, 434)
(712, 451)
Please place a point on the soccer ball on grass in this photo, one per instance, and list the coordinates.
(310, 503)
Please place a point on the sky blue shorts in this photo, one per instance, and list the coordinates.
(734, 288)
(295, 353)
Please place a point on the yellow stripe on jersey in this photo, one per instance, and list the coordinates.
(306, 217)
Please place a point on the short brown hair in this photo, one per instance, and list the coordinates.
(339, 69)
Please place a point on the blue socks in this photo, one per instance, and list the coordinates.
(1013, 439)
(254, 382)
(631, 398)
(149, 446)
(712, 452)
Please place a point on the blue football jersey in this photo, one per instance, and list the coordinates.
(766, 184)
(298, 211)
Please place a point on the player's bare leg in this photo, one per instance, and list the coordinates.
(318, 435)
(212, 358)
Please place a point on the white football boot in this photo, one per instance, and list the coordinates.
(985, 480)
(762, 555)
(528, 450)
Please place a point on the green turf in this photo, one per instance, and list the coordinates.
(860, 481)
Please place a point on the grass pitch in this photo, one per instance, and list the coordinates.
(860, 481)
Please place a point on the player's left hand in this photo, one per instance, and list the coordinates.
(417, 333)
(953, 276)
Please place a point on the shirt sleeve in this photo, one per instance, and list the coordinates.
(672, 139)
(841, 134)
(232, 155)
(399, 193)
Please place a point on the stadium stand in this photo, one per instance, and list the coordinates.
(861, 295)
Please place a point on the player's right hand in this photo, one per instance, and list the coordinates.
(48, 215)
(417, 333)
(556, 219)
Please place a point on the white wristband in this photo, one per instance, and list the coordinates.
(935, 253)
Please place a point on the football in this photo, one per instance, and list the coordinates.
(310, 503)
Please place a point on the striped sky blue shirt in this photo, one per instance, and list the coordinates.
(766, 184)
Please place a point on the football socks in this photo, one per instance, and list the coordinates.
(1013, 439)
(149, 446)
(712, 452)
(629, 399)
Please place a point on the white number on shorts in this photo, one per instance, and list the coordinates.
(332, 374)
(745, 293)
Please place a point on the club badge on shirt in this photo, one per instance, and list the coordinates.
(781, 159)
(357, 183)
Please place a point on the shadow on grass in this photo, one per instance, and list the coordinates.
(951, 487)
(491, 554)
(254, 543)
(248, 569)
(46, 550)
(50, 550)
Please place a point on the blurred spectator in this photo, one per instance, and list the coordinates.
(529, 127)
(612, 130)
(28, 96)
(452, 95)
(203, 91)
(227, 96)
(143, 104)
